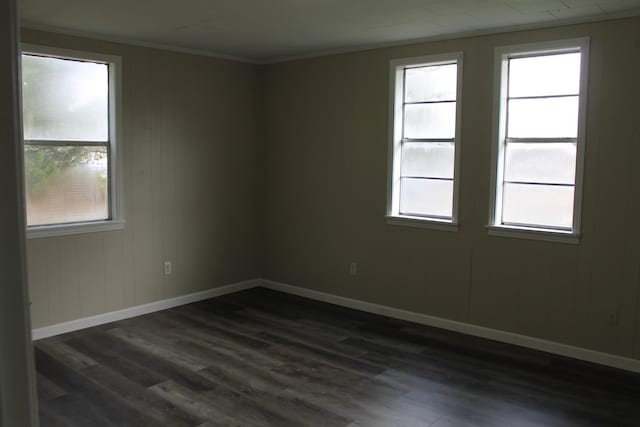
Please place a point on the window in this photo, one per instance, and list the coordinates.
(72, 167)
(539, 139)
(425, 141)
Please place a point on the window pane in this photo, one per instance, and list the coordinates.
(538, 205)
(428, 159)
(430, 120)
(64, 99)
(543, 118)
(553, 163)
(545, 75)
(433, 83)
(431, 197)
(66, 184)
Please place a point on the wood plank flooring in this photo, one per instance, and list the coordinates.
(264, 358)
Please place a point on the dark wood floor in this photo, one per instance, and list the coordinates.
(263, 358)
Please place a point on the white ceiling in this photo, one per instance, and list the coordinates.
(271, 30)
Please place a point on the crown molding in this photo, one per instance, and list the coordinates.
(133, 42)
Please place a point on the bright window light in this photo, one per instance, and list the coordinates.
(539, 138)
(425, 139)
(69, 122)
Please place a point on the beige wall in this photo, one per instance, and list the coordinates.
(17, 385)
(324, 177)
(189, 184)
(234, 171)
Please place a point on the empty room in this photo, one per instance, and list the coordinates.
(320, 213)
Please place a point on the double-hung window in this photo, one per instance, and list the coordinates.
(71, 152)
(539, 139)
(424, 146)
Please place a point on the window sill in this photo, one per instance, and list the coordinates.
(413, 221)
(534, 234)
(70, 229)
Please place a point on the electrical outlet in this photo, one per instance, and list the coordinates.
(167, 268)
(353, 269)
(613, 318)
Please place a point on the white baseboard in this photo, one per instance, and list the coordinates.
(579, 353)
(100, 319)
(584, 354)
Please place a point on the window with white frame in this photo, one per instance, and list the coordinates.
(539, 140)
(425, 138)
(70, 124)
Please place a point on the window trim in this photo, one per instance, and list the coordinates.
(396, 91)
(116, 181)
(501, 58)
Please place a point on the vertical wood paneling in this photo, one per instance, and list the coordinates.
(37, 279)
(91, 274)
(157, 189)
(169, 124)
(552, 291)
(637, 331)
(190, 132)
(184, 220)
(114, 268)
(67, 248)
(54, 280)
(141, 182)
(129, 86)
(180, 114)
(633, 194)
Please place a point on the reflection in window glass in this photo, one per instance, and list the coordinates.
(428, 159)
(430, 120)
(425, 138)
(539, 148)
(426, 195)
(66, 140)
(66, 184)
(546, 162)
(64, 99)
(432, 83)
(545, 75)
(543, 118)
(538, 205)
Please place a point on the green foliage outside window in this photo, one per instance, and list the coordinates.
(45, 163)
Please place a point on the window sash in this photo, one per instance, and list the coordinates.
(508, 141)
(410, 140)
(519, 140)
(442, 101)
(422, 214)
(504, 181)
(429, 178)
(501, 120)
(564, 95)
(112, 145)
(536, 226)
(78, 143)
(64, 143)
(110, 192)
(422, 100)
